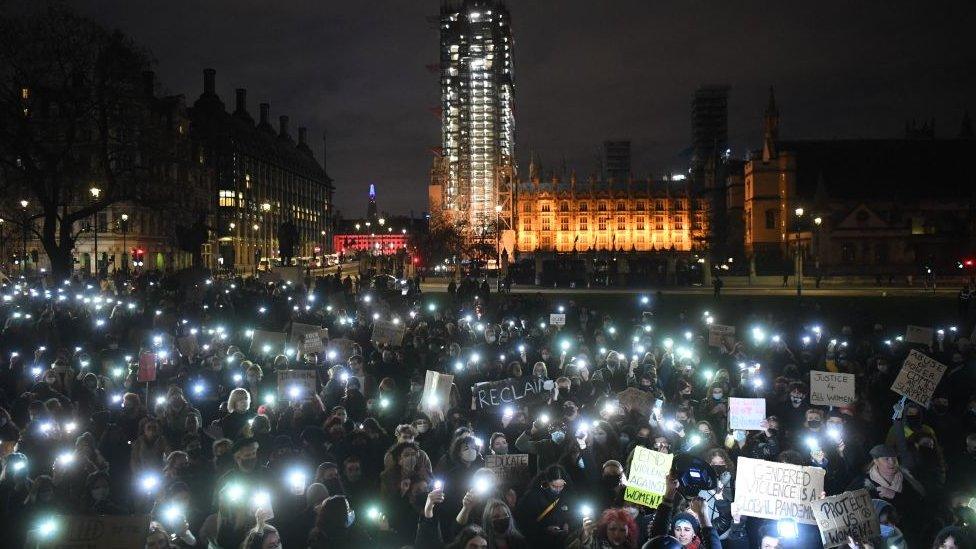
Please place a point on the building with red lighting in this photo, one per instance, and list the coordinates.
(374, 243)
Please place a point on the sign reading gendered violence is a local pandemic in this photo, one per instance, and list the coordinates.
(831, 388)
(490, 394)
(918, 378)
(848, 514)
(772, 490)
(647, 482)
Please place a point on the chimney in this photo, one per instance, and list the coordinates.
(302, 134)
(283, 126)
(149, 83)
(241, 106)
(265, 113)
(208, 81)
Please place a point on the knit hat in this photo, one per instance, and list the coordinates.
(689, 518)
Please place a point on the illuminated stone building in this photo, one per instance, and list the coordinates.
(633, 215)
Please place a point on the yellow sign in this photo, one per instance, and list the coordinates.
(647, 481)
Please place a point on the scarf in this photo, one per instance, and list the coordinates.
(887, 489)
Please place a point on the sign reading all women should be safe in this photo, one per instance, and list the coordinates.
(772, 490)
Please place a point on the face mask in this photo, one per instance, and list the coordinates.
(611, 480)
(720, 469)
(469, 455)
(499, 525)
(350, 517)
(887, 530)
(490, 339)
(599, 438)
(796, 400)
(814, 423)
(558, 436)
(914, 421)
(717, 396)
(98, 494)
(501, 450)
(252, 379)
(422, 428)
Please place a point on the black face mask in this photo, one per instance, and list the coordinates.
(611, 481)
(814, 424)
(499, 525)
(914, 421)
(720, 469)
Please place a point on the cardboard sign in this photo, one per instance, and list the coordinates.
(718, 334)
(773, 490)
(831, 389)
(918, 378)
(633, 398)
(746, 414)
(848, 514)
(298, 330)
(647, 481)
(267, 343)
(147, 367)
(188, 345)
(312, 343)
(102, 532)
(296, 384)
(512, 470)
(437, 393)
(388, 333)
(491, 394)
(557, 319)
(919, 334)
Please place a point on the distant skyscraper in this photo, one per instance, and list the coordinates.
(709, 128)
(478, 122)
(616, 159)
(371, 207)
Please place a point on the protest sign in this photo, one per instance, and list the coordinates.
(490, 394)
(848, 514)
(296, 384)
(388, 333)
(102, 532)
(557, 319)
(718, 334)
(746, 414)
(313, 343)
(831, 389)
(773, 490)
(267, 342)
(633, 398)
(511, 470)
(918, 334)
(147, 367)
(437, 393)
(647, 481)
(342, 347)
(188, 345)
(918, 378)
(298, 331)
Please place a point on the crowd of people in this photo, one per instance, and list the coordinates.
(158, 398)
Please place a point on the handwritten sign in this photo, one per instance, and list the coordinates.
(313, 343)
(918, 378)
(848, 514)
(296, 385)
(102, 532)
(773, 490)
(511, 470)
(298, 330)
(557, 319)
(267, 343)
(718, 334)
(436, 396)
(647, 481)
(388, 333)
(831, 388)
(919, 334)
(491, 394)
(746, 414)
(147, 367)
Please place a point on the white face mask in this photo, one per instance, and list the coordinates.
(469, 455)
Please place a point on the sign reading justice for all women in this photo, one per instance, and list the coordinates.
(767, 489)
(647, 481)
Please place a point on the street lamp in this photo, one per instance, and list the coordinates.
(799, 262)
(817, 221)
(23, 257)
(266, 208)
(382, 221)
(124, 227)
(95, 192)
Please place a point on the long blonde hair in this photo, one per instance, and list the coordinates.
(236, 395)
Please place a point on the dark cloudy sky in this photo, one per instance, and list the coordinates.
(586, 70)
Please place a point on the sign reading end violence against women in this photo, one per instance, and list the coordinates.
(491, 394)
(918, 378)
(647, 482)
(848, 514)
(773, 490)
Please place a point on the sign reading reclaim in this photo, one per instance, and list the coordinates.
(647, 482)
(772, 490)
(491, 394)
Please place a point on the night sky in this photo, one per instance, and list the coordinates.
(586, 70)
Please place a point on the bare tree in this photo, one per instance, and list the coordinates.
(74, 115)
